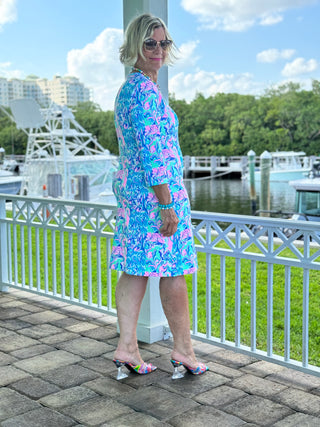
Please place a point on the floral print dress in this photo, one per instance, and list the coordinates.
(147, 130)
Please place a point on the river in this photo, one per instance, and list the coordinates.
(232, 196)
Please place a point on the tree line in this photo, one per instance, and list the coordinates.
(284, 118)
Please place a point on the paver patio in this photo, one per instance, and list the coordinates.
(56, 370)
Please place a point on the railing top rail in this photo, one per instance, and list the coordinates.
(61, 202)
(198, 215)
(245, 219)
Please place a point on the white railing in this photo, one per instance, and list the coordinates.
(262, 288)
(59, 248)
(255, 292)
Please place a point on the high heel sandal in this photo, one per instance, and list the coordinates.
(143, 369)
(199, 370)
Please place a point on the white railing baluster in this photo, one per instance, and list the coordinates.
(287, 313)
(30, 257)
(208, 284)
(238, 303)
(89, 269)
(15, 252)
(253, 322)
(222, 298)
(23, 259)
(38, 262)
(62, 265)
(195, 303)
(270, 311)
(4, 266)
(80, 278)
(54, 263)
(46, 260)
(71, 281)
(99, 293)
(305, 319)
(9, 252)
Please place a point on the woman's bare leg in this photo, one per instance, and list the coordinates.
(174, 297)
(130, 291)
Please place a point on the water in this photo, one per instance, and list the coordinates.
(232, 196)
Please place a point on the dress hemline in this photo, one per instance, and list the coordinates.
(156, 274)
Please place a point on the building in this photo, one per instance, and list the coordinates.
(66, 90)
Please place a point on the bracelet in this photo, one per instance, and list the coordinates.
(165, 207)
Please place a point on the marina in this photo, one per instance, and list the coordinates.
(285, 166)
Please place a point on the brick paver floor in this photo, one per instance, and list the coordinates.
(56, 369)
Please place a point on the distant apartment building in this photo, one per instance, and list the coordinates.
(66, 90)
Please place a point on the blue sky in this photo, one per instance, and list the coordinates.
(243, 46)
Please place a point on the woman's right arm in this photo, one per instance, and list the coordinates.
(169, 217)
(144, 116)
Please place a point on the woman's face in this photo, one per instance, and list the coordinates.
(153, 59)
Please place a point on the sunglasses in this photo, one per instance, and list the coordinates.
(152, 44)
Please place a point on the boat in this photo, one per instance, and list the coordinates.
(62, 159)
(9, 182)
(307, 201)
(286, 166)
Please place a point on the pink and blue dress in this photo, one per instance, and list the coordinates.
(147, 130)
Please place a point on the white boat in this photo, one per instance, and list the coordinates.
(286, 166)
(62, 158)
(9, 182)
(307, 202)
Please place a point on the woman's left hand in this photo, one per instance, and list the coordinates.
(170, 222)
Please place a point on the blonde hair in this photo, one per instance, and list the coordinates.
(138, 31)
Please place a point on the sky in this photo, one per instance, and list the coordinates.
(242, 46)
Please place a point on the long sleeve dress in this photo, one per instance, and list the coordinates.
(147, 130)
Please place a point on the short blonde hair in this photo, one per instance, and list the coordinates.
(138, 31)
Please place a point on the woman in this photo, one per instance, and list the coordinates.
(153, 234)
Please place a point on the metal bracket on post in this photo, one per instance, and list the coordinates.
(4, 276)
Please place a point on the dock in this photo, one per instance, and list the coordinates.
(214, 166)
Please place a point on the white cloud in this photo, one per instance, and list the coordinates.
(8, 73)
(273, 55)
(186, 86)
(299, 66)
(304, 82)
(97, 65)
(187, 57)
(271, 19)
(8, 12)
(239, 15)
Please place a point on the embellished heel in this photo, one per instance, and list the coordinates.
(145, 368)
(176, 373)
(121, 375)
(199, 370)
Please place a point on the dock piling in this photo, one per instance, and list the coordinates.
(253, 195)
(265, 162)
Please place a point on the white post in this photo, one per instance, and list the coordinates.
(4, 276)
(152, 324)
